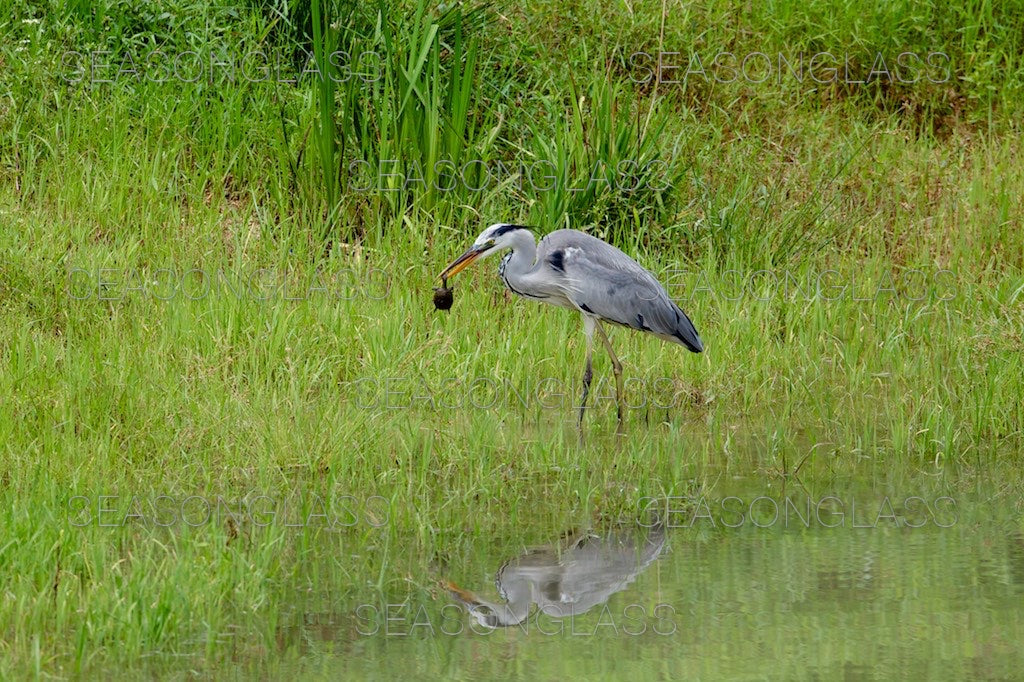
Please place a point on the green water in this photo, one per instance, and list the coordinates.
(843, 584)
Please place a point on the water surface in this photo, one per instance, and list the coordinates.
(842, 583)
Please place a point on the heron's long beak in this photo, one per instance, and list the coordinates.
(465, 596)
(462, 262)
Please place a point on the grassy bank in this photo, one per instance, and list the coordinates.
(219, 285)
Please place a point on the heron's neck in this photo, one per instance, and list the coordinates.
(520, 260)
(519, 598)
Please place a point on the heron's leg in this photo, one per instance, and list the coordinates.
(588, 372)
(616, 368)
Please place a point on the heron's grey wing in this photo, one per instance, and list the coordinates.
(595, 571)
(602, 280)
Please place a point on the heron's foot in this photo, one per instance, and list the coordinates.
(620, 428)
(579, 429)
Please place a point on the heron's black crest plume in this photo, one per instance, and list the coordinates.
(508, 228)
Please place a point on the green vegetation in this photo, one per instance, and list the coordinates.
(217, 282)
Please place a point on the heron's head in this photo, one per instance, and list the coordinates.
(491, 616)
(494, 239)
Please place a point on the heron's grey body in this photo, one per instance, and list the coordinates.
(567, 578)
(575, 270)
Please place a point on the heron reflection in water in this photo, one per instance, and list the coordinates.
(580, 571)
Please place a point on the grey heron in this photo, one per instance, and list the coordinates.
(566, 578)
(575, 270)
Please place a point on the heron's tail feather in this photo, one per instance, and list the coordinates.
(686, 333)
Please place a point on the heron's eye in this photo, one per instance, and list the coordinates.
(490, 242)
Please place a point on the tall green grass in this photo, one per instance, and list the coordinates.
(225, 394)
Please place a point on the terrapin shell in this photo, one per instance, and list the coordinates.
(443, 297)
